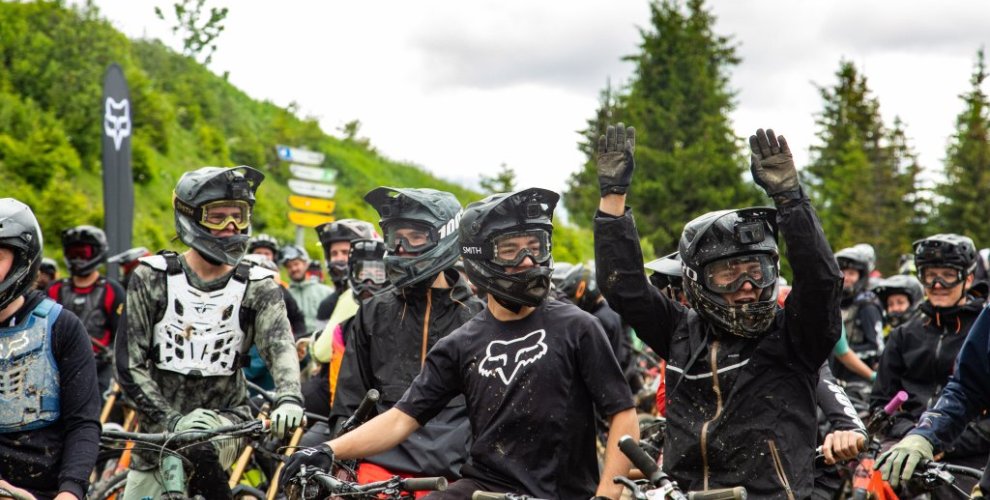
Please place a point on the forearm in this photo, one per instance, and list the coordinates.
(378, 435)
(616, 463)
(613, 204)
(852, 362)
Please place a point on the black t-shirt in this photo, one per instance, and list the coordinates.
(531, 386)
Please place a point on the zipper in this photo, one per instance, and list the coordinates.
(778, 465)
(426, 326)
(938, 350)
(713, 362)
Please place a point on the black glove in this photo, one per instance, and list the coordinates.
(773, 165)
(317, 457)
(615, 159)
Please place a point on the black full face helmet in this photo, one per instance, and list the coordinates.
(423, 222)
(500, 231)
(84, 248)
(948, 250)
(720, 252)
(199, 190)
(20, 233)
(902, 284)
(342, 230)
(862, 258)
(366, 267)
(577, 283)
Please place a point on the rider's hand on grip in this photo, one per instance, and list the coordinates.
(317, 457)
(772, 164)
(899, 462)
(615, 159)
(286, 418)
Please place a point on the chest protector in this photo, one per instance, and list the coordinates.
(200, 333)
(89, 308)
(854, 334)
(29, 382)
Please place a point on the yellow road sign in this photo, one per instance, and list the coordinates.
(309, 220)
(311, 204)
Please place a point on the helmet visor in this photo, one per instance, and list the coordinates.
(218, 215)
(511, 248)
(413, 236)
(728, 275)
(369, 270)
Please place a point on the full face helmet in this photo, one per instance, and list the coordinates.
(423, 223)
(902, 284)
(366, 267)
(19, 232)
(720, 252)
(500, 231)
(201, 190)
(862, 258)
(342, 230)
(85, 248)
(946, 251)
(578, 284)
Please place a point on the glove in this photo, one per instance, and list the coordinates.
(286, 418)
(317, 457)
(898, 463)
(615, 159)
(772, 164)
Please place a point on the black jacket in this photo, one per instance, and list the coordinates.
(726, 430)
(386, 346)
(919, 358)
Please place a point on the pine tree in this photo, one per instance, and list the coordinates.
(967, 167)
(863, 174)
(688, 161)
(504, 181)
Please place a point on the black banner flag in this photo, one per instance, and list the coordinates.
(118, 183)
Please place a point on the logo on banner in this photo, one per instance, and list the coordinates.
(506, 358)
(117, 121)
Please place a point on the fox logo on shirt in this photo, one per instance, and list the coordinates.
(505, 358)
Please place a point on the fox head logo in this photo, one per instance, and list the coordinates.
(11, 346)
(506, 358)
(117, 121)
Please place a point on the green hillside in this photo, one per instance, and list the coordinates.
(52, 59)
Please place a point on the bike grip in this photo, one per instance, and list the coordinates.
(895, 403)
(737, 493)
(638, 457)
(424, 484)
(487, 495)
(367, 404)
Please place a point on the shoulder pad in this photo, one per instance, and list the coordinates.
(156, 262)
(259, 273)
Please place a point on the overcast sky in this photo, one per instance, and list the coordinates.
(461, 87)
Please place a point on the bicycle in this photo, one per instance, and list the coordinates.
(935, 474)
(169, 445)
(310, 485)
(659, 486)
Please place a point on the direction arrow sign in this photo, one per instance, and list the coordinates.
(311, 204)
(313, 173)
(309, 220)
(286, 153)
(313, 189)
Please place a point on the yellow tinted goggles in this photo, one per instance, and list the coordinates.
(218, 215)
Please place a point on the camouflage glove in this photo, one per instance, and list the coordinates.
(615, 159)
(286, 418)
(773, 165)
(898, 463)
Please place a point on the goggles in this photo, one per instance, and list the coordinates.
(218, 215)
(369, 270)
(728, 275)
(510, 249)
(413, 237)
(82, 251)
(948, 277)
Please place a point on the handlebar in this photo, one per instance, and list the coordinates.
(737, 493)
(640, 459)
(363, 411)
(658, 479)
(410, 485)
(270, 398)
(182, 438)
(491, 495)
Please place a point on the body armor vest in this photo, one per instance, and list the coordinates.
(88, 307)
(200, 333)
(854, 334)
(29, 380)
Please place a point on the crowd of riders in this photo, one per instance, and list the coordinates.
(496, 367)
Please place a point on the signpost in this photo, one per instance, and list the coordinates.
(312, 187)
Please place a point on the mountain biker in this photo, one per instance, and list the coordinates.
(920, 355)
(265, 245)
(965, 397)
(308, 292)
(335, 238)
(205, 300)
(862, 314)
(901, 295)
(49, 405)
(47, 273)
(532, 371)
(366, 277)
(98, 301)
(741, 373)
(388, 339)
(577, 284)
